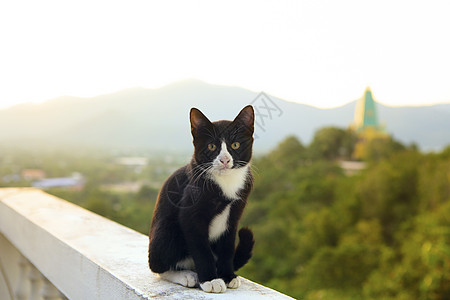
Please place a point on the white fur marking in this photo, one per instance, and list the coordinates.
(219, 224)
(187, 264)
(223, 155)
(232, 181)
(185, 278)
(229, 180)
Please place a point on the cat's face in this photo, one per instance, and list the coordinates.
(223, 145)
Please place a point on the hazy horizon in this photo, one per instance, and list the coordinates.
(137, 117)
(168, 85)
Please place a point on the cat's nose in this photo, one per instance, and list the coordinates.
(225, 161)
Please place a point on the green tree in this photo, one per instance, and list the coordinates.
(332, 143)
(382, 147)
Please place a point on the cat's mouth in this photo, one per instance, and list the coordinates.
(221, 169)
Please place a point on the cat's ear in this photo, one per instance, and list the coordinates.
(246, 118)
(198, 120)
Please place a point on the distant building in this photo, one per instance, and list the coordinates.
(32, 174)
(75, 182)
(366, 124)
(136, 163)
(132, 161)
(123, 187)
(366, 113)
(352, 167)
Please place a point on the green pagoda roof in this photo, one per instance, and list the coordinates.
(365, 112)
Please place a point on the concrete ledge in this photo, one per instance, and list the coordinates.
(89, 257)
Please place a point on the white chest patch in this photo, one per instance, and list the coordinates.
(228, 179)
(232, 181)
(219, 224)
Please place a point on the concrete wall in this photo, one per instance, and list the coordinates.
(83, 255)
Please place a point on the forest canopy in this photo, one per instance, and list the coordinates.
(381, 234)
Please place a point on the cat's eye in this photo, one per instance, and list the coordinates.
(212, 147)
(235, 145)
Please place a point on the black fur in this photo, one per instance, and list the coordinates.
(189, 200)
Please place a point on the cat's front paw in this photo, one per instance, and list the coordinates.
(214, 286)
(234, 283)
(185, 277)
(189, 279)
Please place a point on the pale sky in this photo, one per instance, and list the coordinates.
(322, 53)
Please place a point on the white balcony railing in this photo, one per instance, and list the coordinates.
(52, 249)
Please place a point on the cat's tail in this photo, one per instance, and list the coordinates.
(244, 248)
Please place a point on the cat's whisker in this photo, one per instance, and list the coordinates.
(253, 168)
(207, 183)
(199, 168)
(242, 163)
(200, 174)
(200, 171)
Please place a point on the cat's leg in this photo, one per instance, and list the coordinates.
(224, 250)
(167, 251)
(162, 257)
(196, 237)
(204, 261)
(184, 277)
(166, 241)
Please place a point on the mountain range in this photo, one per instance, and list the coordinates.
(158, 119)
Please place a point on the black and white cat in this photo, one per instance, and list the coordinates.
(195, 221)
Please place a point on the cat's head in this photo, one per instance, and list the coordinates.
(223, 145)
